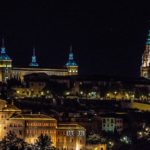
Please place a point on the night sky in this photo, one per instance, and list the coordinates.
(107, 37)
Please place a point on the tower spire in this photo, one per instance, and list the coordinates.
(70, 48)
(71, 64)
(33, 61)
(3, 47)
(145, 67)
(148, 38)
(71, 54)
(3, 42)
(5, 63)
(33, 51)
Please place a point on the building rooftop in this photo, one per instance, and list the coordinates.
(32, 117)
(69, 126)
(11, 108)
(2, 104)
(113, 115)
(3, 55)
(39, 69)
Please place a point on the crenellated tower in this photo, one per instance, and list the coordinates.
(71, 64)
(145, 67)
(5, 64)
(33, 61)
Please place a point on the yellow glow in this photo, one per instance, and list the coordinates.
(18, 92)
(77, 146)
(108, 94)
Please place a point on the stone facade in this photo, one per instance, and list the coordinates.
(30, 126)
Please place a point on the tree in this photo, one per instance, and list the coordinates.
(43, 143)
(12, 142)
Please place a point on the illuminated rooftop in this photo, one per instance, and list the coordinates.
(2, 104)
(38, 69)
(3, 55)
(11, 108)
(71, 61)
(32, 117)
(70, 126)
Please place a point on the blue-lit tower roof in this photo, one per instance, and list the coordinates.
(3, 55)
(5, 64)
(71, 61)
(33, 61)
(148, 38)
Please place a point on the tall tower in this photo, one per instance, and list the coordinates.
(71, 64)
(33, 61)
(5, 64)
(145, 67)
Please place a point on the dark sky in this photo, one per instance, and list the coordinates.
(107, 37)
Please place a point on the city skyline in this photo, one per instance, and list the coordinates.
(106, 39)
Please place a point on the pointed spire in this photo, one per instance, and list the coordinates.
(71, 53)
(33, 51)
(148, 38)
(3, 47)
(71, 61)
(33, 61)
(70, 48)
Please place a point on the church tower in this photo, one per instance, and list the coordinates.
(33, 61)
(145, 67)
(71, 64)
(5, 64)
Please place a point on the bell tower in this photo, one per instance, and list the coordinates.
(5, 64)
(71, 64)
(145, 67)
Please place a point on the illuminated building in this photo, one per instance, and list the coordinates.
(145, 67)
(71, 64)
(71, 136)
(8, 71)
(30, 126)
(112, 123)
